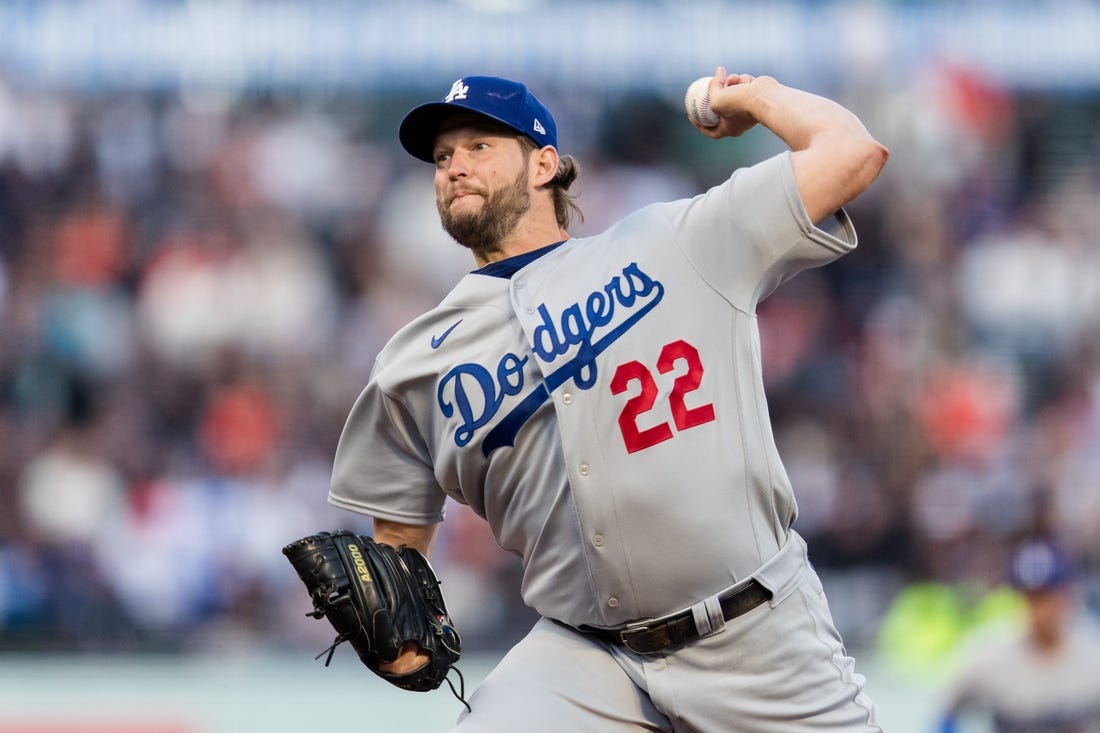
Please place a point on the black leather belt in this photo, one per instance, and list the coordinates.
(647, 637)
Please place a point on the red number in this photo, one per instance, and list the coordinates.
(683, 417)
(635, 439)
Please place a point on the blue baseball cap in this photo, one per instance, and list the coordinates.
(505, 101)
(1040, 565)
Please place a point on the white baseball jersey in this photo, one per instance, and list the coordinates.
(602, 407)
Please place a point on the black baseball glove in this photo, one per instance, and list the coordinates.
(378, 598)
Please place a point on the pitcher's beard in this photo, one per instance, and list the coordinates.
(484, 231)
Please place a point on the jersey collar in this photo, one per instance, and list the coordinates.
(511, 265)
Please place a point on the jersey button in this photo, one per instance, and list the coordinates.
(613, 602)
(567, 398)
(598, 540)
(584, 469)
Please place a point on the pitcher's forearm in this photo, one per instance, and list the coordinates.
(834, 156)
(418, 536)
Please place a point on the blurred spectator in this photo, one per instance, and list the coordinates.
(69, 498)
(1043, 679)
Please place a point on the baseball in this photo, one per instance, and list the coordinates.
(697, 103)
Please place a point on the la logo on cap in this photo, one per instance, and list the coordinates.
(458, 91)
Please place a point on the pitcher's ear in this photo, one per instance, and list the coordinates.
(546, 165)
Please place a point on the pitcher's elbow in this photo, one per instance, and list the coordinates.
(877, 155)
(872, 158)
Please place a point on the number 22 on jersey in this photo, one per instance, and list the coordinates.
(677, 355)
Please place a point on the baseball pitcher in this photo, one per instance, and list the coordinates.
(599, 401)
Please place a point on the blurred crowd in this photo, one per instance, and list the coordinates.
(193, 286)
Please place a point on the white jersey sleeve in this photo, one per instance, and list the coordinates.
(382, 444)
(751, 234)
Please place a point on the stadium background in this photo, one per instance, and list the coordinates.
(207, 230)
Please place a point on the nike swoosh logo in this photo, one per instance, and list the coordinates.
(437, 341)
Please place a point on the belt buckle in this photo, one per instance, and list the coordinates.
(634, 637)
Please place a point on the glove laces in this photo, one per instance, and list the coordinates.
(340, 639)
(460, 693)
